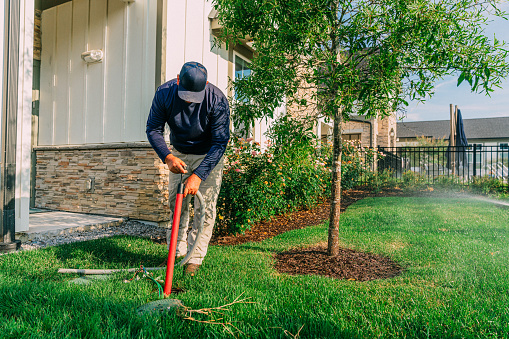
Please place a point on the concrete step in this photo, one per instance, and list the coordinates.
(48, 224)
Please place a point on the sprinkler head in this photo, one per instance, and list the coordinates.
(160, 306)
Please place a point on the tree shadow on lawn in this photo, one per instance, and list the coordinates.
(58, 310)
(46, 310)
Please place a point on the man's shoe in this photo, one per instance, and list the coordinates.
(191, 269)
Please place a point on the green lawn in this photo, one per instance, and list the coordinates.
(455, 285)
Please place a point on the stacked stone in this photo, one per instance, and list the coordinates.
(126, 180)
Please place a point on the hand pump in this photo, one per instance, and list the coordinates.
(173, 238)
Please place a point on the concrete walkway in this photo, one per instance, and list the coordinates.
(44, 224)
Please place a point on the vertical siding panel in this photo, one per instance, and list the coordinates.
(48, 27)
(95, 73)
(175, 42)
(194, 31)
(114, 80)
(133, 71)
(222, 69)
(209, 54)
(63, 45)
(149, 65)
(78, 72)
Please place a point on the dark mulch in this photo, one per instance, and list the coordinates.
(349, 264)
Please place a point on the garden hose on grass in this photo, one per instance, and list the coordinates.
(166, 291)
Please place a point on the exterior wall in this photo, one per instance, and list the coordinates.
(190, 38)
(102, 102)
(3, 20)
(121, 180)
(385, 127)
(355, 127)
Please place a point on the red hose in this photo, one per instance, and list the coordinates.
(173, 244)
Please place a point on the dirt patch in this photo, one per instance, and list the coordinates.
(348, 265)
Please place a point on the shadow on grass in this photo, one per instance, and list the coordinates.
(114, 252)
(60, 311)
(118, 252)
(63, 311)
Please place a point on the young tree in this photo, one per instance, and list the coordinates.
(357, 56)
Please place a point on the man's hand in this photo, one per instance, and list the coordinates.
(192, 185)
(175, 165)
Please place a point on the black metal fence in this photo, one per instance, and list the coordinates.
(462, 163)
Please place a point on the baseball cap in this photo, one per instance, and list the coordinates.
(192, 82)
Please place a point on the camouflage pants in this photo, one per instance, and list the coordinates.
(210, 191)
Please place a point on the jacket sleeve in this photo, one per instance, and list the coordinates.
(220, 129)
(157, 118)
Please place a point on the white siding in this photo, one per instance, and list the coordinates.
(194, 42)
(77, 80)
(100, 102)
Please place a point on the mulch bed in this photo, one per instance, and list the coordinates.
(348, 265)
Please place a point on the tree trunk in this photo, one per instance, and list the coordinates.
(335, 207)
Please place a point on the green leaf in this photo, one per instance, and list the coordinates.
(461, 78)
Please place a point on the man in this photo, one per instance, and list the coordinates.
(198, 115)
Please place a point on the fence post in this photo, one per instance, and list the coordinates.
(475, 160)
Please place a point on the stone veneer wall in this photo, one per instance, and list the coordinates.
(129, 180)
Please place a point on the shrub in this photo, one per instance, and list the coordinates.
(376, 181)
(292, 172)
(288, 175)
(488, 185)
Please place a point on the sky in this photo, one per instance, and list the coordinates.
(472, 105)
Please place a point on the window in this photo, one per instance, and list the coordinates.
(355, 136)
(504, 146)
(242, 69)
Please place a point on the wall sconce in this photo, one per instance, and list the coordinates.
(93, 56)
(392, 133)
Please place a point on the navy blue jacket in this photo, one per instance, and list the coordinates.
(202, 128)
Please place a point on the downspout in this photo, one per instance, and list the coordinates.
(370, 129)
(8, 242)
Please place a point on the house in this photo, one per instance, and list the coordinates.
(371, 132)
(481, 132)
(85, 74)
(88, 72)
